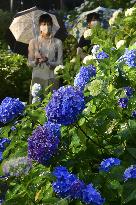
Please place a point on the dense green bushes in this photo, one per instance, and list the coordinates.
(15, 76)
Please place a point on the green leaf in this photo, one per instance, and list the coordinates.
(132, 151)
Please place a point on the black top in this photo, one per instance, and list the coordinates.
(84, 42)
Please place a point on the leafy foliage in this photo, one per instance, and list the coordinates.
(103, 130)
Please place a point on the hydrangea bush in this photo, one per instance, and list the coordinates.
(80, 139)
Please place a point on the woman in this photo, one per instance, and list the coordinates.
(92, 19)
(44, 54)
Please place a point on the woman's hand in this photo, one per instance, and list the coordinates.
(40, 60)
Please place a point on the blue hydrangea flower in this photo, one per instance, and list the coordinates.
(102, 55)
(3, 144)
(67, 184)
(92, 196)
(13, 128)
(9, 109)
(107, 164)
(1, 156)
(129, 58)
(65, 105)
(123, 102)
(133, 114)
(84, 75)
(43, 143)
(129, 91)
(130, 172)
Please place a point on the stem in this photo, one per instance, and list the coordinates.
(86, 135)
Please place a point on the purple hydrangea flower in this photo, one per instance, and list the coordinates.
(92, 196)
(65, 105)
(129, 91)
(102, 55)
(130, 172)
(43, 143)
(67, 184)
(133, 114)
(9, 109)
(107, 164)
(84, 75)
(123, 102)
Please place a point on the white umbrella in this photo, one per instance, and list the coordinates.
(25, 24)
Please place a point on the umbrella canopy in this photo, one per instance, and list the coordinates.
(80, 25)
(25, 24)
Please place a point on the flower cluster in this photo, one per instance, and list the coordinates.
(36, 88)
(102, 55)
(114, 16)
(95, 49)
(95, 87)
(120, 43)
(123, 102)
(65, 105)
(130, 11)
(3, 143)
(9, 109)
(57, 68)
(129, 58)
(36, 91)
(130, 172)
(92, 196)
(68, 185)
(84, 75)
(133, 114)
(129, 91)
(87, 33)
(108, 163)
(88, 58)
(43, 143)
(17, 167)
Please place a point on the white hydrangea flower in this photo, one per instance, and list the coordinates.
(36, 89)
(114, 16)
(95, 87)
(88, 58)
(95, 49)
(120, 43)
(133, 1)
(87, 33)
(59, 67)
(68, 16)
(116, 13)
(86, 2)
(111, 21)
(73, 60)
(129, 12)
(36, 99)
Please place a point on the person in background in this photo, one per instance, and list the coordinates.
(44, 54)
(93, 19)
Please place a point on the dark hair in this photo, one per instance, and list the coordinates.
(45, 18)
(94, 16)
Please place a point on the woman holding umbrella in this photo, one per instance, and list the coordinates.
(44, 54)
